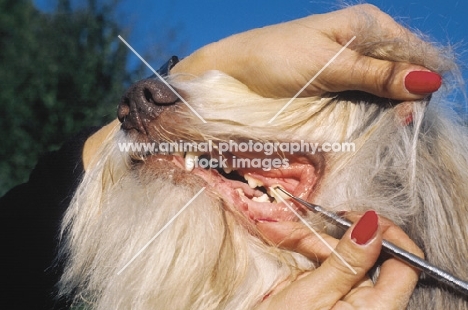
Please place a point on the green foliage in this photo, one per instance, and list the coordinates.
(59, 72)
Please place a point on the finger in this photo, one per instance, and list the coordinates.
(374, 22)
(359, 248)
(397, 277)
(388, 79)
(365, 282)
(396, 282)
(369, 24)
(296, 237)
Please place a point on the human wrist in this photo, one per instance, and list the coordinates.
(198, 62)
(223, 55)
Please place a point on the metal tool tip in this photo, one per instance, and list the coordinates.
(284, 191)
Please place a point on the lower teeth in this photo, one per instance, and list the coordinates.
(263, 198)
(240, 191)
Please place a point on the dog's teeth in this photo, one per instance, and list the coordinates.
(277, 193)
(253, 183)
(197, 154)
(190, 159)
(227, 170)
(263, 198)
(240, 191)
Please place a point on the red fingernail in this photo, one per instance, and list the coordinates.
(365, 228)
(422, 82)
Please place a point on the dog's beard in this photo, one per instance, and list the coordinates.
(205, 259)
(211, 256)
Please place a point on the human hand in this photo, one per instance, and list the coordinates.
(278, 60)
(333, 285)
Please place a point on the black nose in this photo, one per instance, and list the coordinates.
(143, 102)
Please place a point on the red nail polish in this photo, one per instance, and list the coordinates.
(422, 82)
(365, 228)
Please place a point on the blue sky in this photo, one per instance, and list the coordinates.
(205, 21)
(199, 22)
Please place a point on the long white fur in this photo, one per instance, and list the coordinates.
(415, 175)
(204, 260)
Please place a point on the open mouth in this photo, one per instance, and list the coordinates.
(244, 181)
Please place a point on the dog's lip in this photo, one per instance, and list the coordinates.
(299, 178)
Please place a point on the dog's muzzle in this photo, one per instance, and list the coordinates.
(143, 102)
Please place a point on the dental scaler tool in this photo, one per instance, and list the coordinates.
(388, 247)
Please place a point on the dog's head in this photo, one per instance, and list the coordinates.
(166, 215)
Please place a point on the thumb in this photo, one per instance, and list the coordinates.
(387, 79)
(355, 254)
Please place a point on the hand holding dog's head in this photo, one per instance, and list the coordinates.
(212, 255)
(277, 61)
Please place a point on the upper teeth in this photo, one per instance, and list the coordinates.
(227, 169)
(253, 183)
(190, 160)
